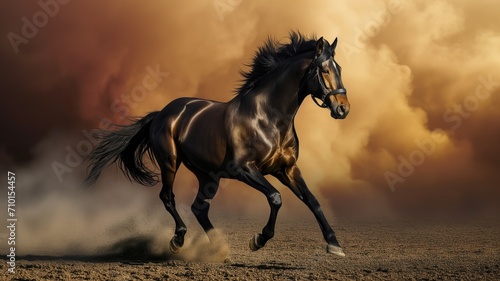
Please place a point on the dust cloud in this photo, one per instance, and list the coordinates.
(421, 137)
(116, 219)
(200, 248)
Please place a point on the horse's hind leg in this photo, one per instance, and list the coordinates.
(167, 196)
(208, 187)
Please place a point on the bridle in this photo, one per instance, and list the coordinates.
(325, 93)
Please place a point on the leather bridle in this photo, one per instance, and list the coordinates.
(325, 93)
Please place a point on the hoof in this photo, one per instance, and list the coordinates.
(174, 247)
(336, 250)
(256, 242)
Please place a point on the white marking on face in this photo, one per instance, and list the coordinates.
(336, 73)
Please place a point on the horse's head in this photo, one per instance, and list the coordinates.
(324, 81)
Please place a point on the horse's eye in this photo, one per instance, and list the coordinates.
(326, 71)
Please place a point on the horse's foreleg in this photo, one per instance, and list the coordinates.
(251, 176)
(292, 178)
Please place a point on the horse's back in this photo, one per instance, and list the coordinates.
(196, 127)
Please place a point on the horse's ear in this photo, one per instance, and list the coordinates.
(334, 45)
(320, 46)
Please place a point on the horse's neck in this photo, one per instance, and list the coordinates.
(282, 98)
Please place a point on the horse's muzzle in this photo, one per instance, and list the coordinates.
(339, 106)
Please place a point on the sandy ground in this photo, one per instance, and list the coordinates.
(375, 250)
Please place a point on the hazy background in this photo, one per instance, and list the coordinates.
(422, 77)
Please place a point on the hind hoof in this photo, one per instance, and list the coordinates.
(174, 247)
(256, 242)
(336, 250)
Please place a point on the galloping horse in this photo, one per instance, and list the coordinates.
(250, 136)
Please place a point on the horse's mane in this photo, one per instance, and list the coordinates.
(270, 55)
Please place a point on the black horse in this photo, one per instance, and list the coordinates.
(248, 137)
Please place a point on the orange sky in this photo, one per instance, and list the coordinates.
(422, 78)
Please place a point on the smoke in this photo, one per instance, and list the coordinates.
(112, 220)
(444, 129)
(57, 218)
(422, 134)
(202, 249)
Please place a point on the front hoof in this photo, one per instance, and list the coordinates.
(336, 250)
(174, 247)
(256, 242)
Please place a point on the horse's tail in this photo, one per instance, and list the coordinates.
(126, 145)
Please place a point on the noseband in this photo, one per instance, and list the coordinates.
(325, 93)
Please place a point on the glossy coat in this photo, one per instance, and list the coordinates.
(248, 137)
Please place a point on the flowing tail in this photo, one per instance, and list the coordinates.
(127, 145)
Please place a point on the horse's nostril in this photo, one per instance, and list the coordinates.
(341, 109)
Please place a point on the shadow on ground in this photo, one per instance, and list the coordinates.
(131, 249)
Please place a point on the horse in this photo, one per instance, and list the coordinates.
(246, 138)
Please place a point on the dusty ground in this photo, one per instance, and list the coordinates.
(375, 250)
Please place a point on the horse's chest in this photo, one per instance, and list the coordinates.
(279, 158)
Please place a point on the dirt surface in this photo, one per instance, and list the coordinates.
(375, 250)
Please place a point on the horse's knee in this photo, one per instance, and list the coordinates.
(275, 200)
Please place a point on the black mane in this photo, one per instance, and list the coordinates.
(271, 55)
